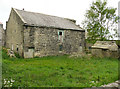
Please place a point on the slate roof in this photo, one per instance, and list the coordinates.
(109, 45)
(38, 19)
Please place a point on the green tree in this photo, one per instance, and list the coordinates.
(100, 21)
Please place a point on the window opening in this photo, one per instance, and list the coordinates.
(60, 47)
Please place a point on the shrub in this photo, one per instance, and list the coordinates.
(4, 54)
(17, 55)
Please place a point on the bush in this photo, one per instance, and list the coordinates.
(17, 55)
(4, 54)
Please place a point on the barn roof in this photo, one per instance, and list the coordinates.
(110, 45)
(38, 19)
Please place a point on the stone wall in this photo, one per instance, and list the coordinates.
(104, 53)
(14, 33)
(2, 35)
(45, 41)
(105, 49)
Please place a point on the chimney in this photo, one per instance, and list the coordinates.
(71, 20)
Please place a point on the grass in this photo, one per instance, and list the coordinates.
(59, 71)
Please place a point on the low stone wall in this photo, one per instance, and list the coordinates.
(105, 53)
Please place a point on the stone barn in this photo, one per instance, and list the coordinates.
(105, 49)
(34, 34)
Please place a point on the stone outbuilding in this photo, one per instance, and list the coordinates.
(105, 49)
(34, 34)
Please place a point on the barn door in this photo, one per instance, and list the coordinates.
(80, 48)
(31, 52)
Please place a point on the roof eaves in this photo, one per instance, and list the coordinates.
(54, 27)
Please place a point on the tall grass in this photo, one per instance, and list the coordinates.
(60, 71)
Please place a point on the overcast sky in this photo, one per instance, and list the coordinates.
(74, 9)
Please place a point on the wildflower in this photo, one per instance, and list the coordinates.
(12, 80)
(5, 82)
(92, 81)
(96, 81)
(8, 82)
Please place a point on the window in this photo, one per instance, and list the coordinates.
(12, 46)
(60, 33)
(17, 47)
(80, 44)
(60, 47)
(26, 27)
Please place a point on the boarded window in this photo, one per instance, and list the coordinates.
(31, 52)
(60, 47)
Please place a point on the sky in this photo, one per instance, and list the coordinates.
(73, 9)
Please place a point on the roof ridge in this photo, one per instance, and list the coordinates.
(47, 15)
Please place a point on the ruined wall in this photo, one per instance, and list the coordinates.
(46, 41)
(105, 53)
(14, 33)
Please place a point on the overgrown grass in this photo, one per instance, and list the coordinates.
(59, 71)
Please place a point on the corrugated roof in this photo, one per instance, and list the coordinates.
(38, 19)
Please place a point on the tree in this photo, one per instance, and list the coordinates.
(100, 21)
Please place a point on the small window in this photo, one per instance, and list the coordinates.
(60, 33)
(26, 27)
(60, 47)
(12, 46)
(80, 44)
(17, 49)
